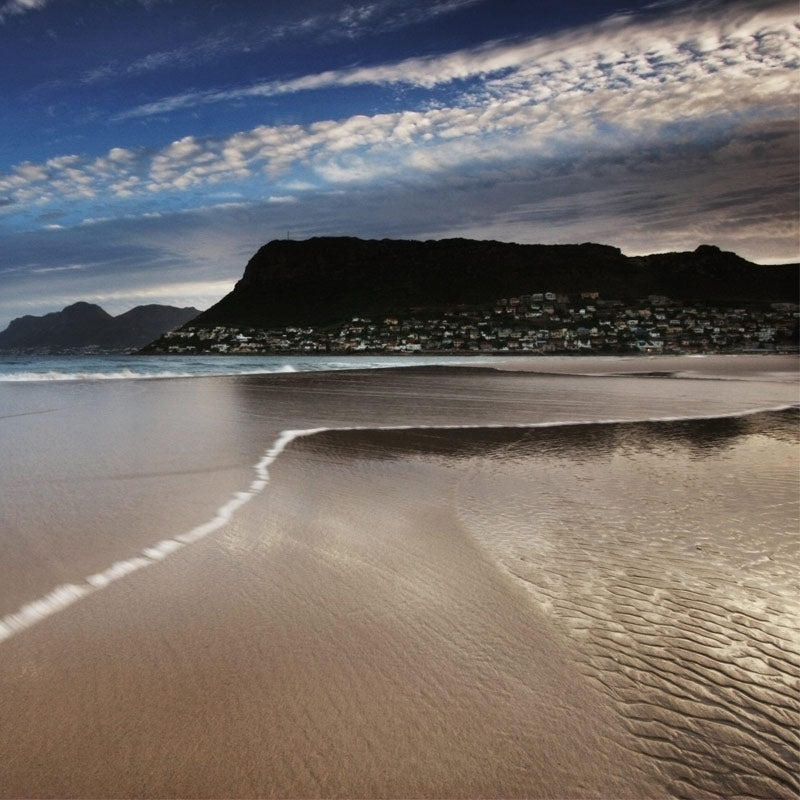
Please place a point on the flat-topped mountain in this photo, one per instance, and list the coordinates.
(323, 280)
(84, 326)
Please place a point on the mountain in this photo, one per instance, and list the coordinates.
(145, 323)
(85, 326)
(324, 280)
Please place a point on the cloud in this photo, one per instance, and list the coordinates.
(601, 93)
(65, 268)
(737, 191)
(572, 91)
(16, 7)
(197, 293)
(180, 259)
(621, 53)
(350, 22)
(373, 18)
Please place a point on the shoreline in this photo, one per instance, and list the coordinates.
(61, 597)
(513, 354)
(766, 367)
(387, 621)
(442, 606)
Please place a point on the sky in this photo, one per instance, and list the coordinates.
(149, 147)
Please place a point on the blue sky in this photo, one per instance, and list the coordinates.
(149, 147)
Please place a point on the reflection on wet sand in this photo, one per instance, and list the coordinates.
(700, 437)
(581, 610)
(666, 552)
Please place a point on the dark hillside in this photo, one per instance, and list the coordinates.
(713, 275)
(324, 280)
(327, 279)
(145, 323)
(83, 326)
(74, 326)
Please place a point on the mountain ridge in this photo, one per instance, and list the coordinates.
(325, 279)
(86, 326)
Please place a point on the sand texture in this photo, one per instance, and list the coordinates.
(603, 610)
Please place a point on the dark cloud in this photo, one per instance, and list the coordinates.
(50, 216)
(737, 190)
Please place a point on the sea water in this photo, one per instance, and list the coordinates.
(115, 367)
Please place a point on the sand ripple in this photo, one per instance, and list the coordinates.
(682, 602)
(706, 685)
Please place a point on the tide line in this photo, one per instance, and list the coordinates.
(65, 595)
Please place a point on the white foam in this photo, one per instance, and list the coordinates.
(37, 610)
(162, 549)
(149, 368)
(67, 594)
(119, 569)
(129, 374)
(116, 375)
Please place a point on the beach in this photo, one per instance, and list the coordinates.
(557, 578)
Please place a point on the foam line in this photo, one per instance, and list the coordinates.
(67, 594)
(129, 374)
(31, 613)
(63, 596)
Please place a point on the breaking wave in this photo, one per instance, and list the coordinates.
(21, 369)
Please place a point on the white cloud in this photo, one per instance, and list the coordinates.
(121, 155)
(60, 162)
(199, 292)
(64, 268)
(352, 22)
(126, 187)
(15, 7)
(619, 53)
(625, 83)
(299, 186)
(32, 172)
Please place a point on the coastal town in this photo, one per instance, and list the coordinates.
(536, 323)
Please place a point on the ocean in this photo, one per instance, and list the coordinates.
(302, 576)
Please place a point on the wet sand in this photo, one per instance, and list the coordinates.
(568, 612)
(344, 637)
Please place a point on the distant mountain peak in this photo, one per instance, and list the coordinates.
(87, 326)
(82, 305)
(84, 310)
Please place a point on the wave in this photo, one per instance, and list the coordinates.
(128, 374)
(67, 594)
(131, 367)
(53, 375)
(110, 368)
(62, 596)
(568, 423)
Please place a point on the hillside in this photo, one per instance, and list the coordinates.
(324, 280)
(85, 326)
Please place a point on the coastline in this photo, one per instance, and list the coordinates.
(381, 617)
